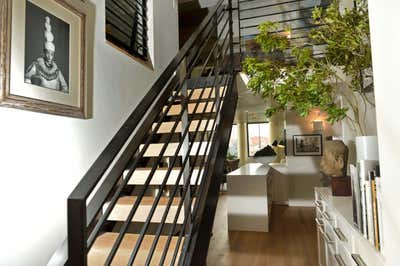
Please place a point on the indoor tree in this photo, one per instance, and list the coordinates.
(307, 82)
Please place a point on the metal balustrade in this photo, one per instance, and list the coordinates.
(195, 147)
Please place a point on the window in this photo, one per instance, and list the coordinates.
(233, 142)
(126, 26)
(257, 137)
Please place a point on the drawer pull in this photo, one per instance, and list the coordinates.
(339, 260)
(319, 222)
(318, 205)
(326, 237)
(358, 260)
(327, 216)
(340, 234)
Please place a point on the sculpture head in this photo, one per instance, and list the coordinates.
(334, 159)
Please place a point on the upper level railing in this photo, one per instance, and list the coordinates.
(209, 50)
(295, 15)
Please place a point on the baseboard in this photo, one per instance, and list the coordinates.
(301, 203)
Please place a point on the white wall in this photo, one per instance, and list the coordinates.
(304, 171)
(42, 157)
(385, 21)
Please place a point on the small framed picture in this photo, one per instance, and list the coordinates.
(44, 58)
(307, 145)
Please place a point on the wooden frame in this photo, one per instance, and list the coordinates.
(312, 147)
(74, 102)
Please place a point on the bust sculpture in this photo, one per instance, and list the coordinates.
(334, 159)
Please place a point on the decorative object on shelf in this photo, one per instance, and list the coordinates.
(299, 79)
(334, 159)
(341, 186)
(44, 61)
(307, 145)
(333, 167)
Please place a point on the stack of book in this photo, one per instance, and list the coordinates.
(367, 208)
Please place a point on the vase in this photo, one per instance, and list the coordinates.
(367, 148)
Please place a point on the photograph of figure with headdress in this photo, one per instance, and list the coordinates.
(47, 56)
(46, 49)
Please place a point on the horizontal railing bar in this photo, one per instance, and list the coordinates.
(292, 29)
(281, 12)
(136, 8)
(256, 25)
(127, 24)
(118, 4)
(271, 5)
(130, 24)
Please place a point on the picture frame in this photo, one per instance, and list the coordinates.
(46, 48)
(307, 145)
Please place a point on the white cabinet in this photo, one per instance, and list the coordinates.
(339, 242)
(249, 198)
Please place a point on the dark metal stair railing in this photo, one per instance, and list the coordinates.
(105, 180)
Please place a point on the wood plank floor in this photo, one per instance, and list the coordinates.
(292, 240)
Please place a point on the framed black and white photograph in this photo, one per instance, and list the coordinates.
(45, 62)
(307, 145)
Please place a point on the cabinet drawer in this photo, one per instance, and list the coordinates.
(343, 234)
(344, 255)
(326, 233)
(330, 233)
(329, 215)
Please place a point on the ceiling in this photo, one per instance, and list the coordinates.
(247, 101)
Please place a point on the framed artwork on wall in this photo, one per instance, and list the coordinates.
(307, 145)
(44, 56)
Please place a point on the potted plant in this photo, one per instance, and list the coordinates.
(305, 82)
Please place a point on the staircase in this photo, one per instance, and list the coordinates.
(150, 197)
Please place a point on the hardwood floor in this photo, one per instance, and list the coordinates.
(292, 240)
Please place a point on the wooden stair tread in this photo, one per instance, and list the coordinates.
(153, 150)
(208, 93)
(103, 244)
(166, 127)
(140, 176)
(202, 107)
(124, 205)
(146, 200)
